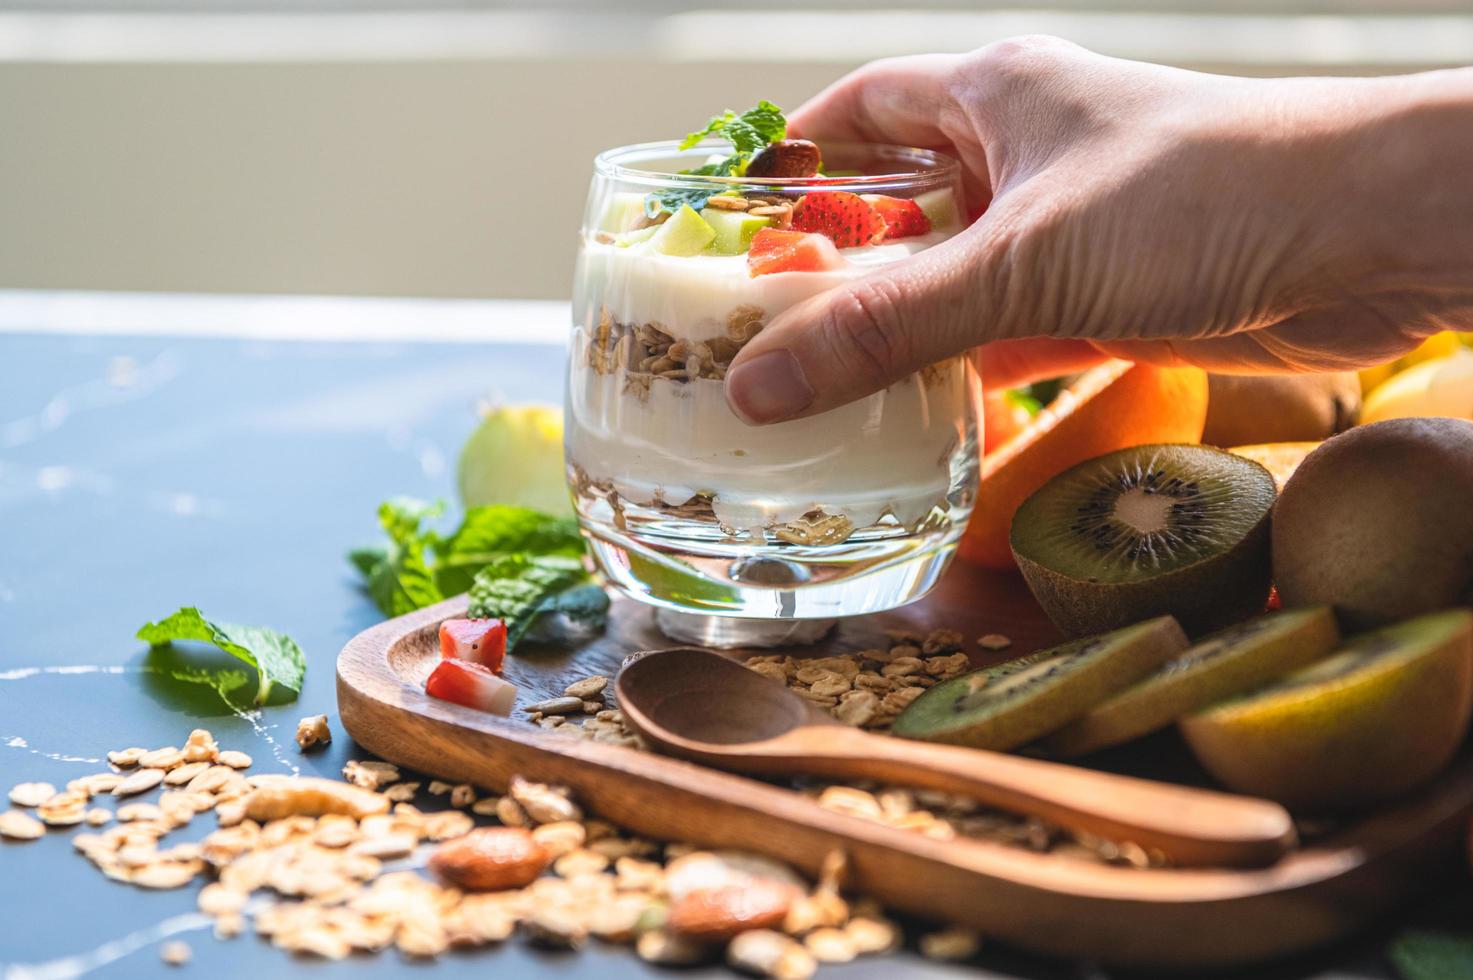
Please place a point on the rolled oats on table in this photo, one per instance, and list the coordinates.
(313, 733)
(310, 861)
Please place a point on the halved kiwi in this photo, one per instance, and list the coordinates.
(1149, 531)
(1378, 717)
(1238, 659)
(1013, 703)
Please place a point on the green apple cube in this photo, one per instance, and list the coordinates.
(628, 238)
(622, 212)
(683, 233)
(734, 230)
(940, 207)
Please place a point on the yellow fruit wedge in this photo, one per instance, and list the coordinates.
(1233, 661)
(1281, 459)
(1376, 719)
(1438, 388)
(1437, 345)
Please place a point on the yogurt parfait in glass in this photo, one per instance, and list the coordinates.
(852, 511)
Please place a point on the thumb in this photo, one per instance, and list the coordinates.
(860, 337)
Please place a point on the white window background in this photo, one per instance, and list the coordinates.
(433, 148)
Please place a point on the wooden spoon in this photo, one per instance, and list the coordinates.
(701, 706)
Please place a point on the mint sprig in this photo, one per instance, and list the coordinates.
(518, 564)
(519, 589)
(748, 133)
(277, 657)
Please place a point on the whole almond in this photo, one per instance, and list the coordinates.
(785, 158)
(490, 859)
(718, 914)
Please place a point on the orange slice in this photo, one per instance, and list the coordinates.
(1109, 407)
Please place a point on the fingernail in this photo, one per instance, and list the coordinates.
(768, 388)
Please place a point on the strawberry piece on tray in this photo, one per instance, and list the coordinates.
(903, 217)
(465, 683)
(847, 219)
(481, 641)
(791, 251)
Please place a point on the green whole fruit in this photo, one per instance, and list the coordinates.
(1178, 530)
(1378, 522)
(515, 456)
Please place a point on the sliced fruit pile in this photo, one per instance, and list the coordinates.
(733, 224)
(1368, 530)
(1013, 703)
(1240, 658)
(1377, 718)
(1275, 706)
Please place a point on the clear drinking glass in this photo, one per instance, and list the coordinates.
(686, 507)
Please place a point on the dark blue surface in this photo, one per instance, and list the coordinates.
(234, 475)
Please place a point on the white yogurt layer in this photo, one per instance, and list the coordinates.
(888, 453)
(690, 297)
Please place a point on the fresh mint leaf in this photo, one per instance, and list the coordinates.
(1432, 956)
(766, 122)
(276, 657)
(398, 575)
(167, 661)
(579, 612)
(368, 559)
(673, 198)
(488, 533)
(714, 126)
(419, 566)
(518, 588)
(748, 133)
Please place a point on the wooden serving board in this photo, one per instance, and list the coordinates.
(1054, 904)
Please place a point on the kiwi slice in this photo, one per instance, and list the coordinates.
(1380, 716)
(1148, 531)
(1013, 703)
(1240, 658)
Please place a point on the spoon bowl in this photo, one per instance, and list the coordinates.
(699, 705)
(699, 697)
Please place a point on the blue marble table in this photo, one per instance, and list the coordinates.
(148, 462)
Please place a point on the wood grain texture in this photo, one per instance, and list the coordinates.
(1164, 918)
(680, 700)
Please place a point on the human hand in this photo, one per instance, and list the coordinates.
(1142, 212)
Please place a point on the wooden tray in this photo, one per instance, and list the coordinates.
(1052, 904)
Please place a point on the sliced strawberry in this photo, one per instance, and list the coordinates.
(845, 218)
(903, 217)
(470, 684)
(481, 641)
(791, 251)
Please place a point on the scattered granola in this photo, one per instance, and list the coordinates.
(950, 944)
(175, 952)
(17, 825)
(312, 733)
(994, 641)
(31, 794)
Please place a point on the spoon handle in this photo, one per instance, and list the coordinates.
(1189, 826)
